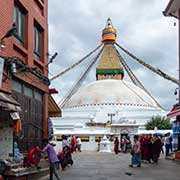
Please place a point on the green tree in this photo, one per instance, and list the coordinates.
(159, 122)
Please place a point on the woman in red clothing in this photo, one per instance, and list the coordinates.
(73, 144)
(116, 145)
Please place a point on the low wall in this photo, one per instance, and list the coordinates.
(86, 146)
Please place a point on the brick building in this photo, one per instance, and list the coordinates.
(25, 56)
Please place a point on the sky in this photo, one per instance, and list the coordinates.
(75, 28)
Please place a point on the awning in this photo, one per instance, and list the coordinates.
(172, 8)
(8, 103)
(174, 112)
(53, 108)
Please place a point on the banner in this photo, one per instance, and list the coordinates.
(1, 70)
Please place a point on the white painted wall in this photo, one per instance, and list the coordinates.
(86, 146)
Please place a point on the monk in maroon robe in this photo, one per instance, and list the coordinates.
(116, 145)
(144, 147)
(156, 148)
(73, 144)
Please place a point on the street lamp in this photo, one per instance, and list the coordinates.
(12, 31)
(51, 59)
(111, 115)
(176, 91)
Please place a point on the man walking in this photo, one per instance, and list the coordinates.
(167, 143)
(78, 141)
(53, 159)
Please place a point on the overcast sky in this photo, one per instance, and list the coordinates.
(75, 28)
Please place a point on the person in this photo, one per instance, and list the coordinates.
(156, 148)
(65, 157)
(69, 139)
(162, 144)
(116, 145)
(73, 144)
(124, 144)
(65, 142)
(78, 141)
(53, 159)
(144, 148)
(33, 157)
(136, 153)
(171, 139)
(167, 143)
(150, 151)
(129, 145)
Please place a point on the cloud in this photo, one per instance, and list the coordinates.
(75, 29)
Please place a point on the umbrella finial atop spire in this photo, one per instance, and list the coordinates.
(109, 32)
(109, 23)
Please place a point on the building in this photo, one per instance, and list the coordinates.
(25, 74)
(173, 10)
(110, 105)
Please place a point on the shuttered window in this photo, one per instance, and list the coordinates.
(19, 20)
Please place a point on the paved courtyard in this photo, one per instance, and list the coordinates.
(108, 166)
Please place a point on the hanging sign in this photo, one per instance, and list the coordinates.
(1, 70)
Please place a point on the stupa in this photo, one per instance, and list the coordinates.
(108, 106)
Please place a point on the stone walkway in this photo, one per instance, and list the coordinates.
(108, 166)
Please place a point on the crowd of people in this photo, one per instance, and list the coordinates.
(144, 149)
(70, 144)
(147, 148)
(125, 144)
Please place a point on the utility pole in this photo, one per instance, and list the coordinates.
(111, 116)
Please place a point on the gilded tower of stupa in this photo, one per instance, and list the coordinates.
(109, 66)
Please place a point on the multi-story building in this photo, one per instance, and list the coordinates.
(25, 56)
(173, 10)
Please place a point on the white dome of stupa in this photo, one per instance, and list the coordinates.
(111, 92)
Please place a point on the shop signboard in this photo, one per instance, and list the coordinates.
(1, 70)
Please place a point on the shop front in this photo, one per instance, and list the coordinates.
(9, 119)
(175, 113)
(11, 156)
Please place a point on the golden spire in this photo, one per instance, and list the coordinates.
(109, 66)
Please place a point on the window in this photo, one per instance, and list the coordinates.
(16, 86)
(19, 20)
(28, 91)
(37, 95)
(37, 42)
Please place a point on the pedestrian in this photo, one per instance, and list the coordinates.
(136, 153)
(162, 144)
(150, 151)
(144, 148)
(156, 148)
(73, 144)
(78, 142)
(116, 145)
(69, 139)
(65, 142)
(167, 143)
(124, 144)
(171, 139)
(53, 159)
